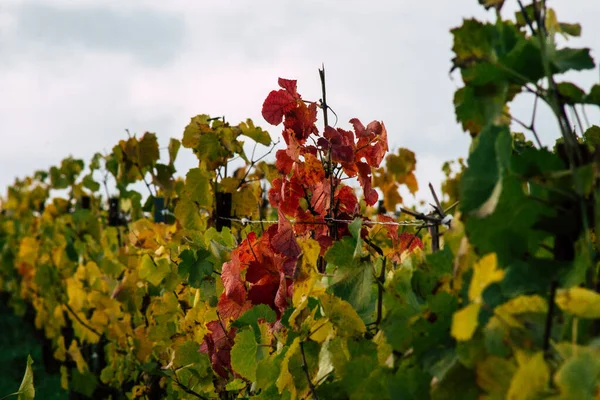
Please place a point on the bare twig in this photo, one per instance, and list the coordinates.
(305, 368)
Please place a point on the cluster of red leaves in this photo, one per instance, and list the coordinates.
(260, 272)
(400, 242)
(304, 190)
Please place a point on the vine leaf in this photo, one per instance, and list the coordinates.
(279, 102)
(217, 344)
(243, 354)
(581, 302)
(284, 241)
(531, 378)
(27, 390)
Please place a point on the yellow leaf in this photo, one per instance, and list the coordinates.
(581, 302)
(64, 377)
(464, 322)
(76, 355)
(61, 351)
(28, 250)
(143, 345)
(485, 273)
(229, 184)
(342, 315)
(384, 350)
(76, 294)
(520, 305)
(494, 375)
(285, 381)
(530, 379)
(322, 330)
(244, 202)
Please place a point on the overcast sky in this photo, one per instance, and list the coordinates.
(75, 73)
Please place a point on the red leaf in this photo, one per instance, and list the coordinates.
(372, 143)
(301, 120)
(277, 103)
(291, 193)
(284, 241)
(283, 162)
(341, 144)
(347, 200)
(325, 242)
(311, 170)
(235, 288)
(230, 309)
(289, 85)
(364, 178)
(275, 192)
(321, 197)
(232, 281)
(217, 344)
(392, 230)
(373, 129)
(265, 293)
(405, 239)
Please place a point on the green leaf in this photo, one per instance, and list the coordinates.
(255, 132)
(578, 377)
(342, 253)
(485, 166)
(268, 370)
(200, 269)
(459, 383)
(188, 215)
(153, 272)
(571, 93)
(251, 317)
(174, 146)
(355, 285)
(148, 153)
(594, 96)
(83, 383)
(198, 188)
(210, 148)
(26, 390)
(235, 385)
(89, 183)
(342, 315)
(572, 59)
(475, 108)
(512, 222)
(243, 354)
(355, 227)
(592, 136)
(194, 130)
(570, 29)
(186, 354)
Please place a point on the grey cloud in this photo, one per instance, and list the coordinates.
(151, 37)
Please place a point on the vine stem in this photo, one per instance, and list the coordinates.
(333, 226)
(550, 316)
(381, 279)
(305, 368)
(81, 321)
(188, 390)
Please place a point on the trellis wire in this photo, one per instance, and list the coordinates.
(245, 221)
